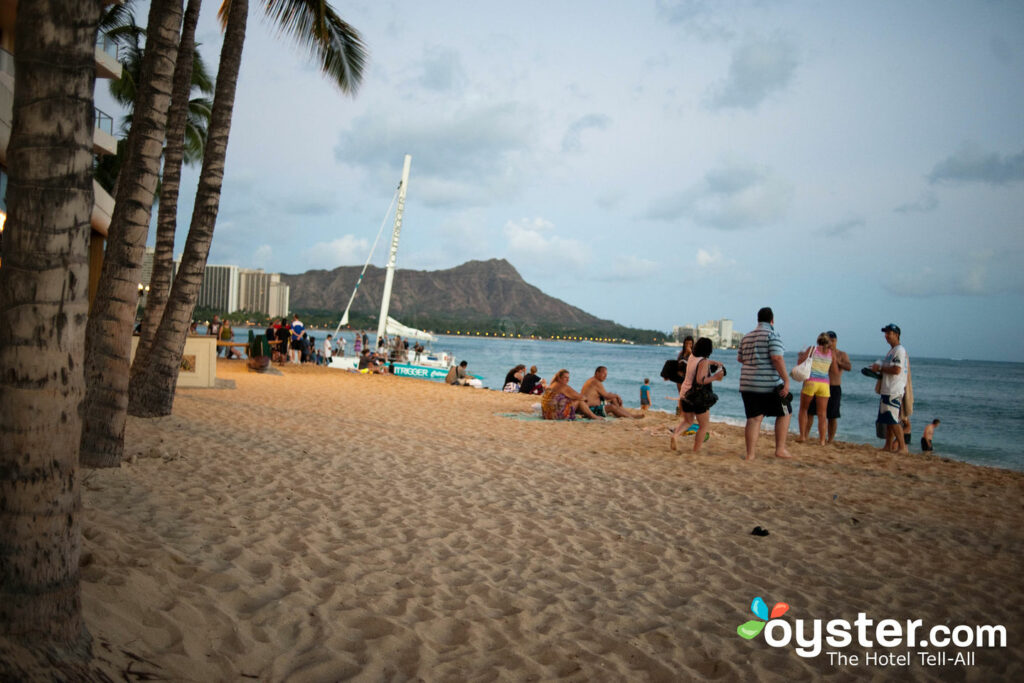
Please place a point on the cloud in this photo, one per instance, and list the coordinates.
(730, 198)
(441, 70)
(980, 273)
(308, 206)
(696, 16)
(535, 239)
(758, 69)
(843, 227)
(926, 203)
(465, 158)
(972, 165)
(348, 250)
(629, 269)
(571, 140)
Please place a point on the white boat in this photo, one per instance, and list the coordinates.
(425, 365)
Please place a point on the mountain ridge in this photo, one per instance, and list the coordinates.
(477, 292)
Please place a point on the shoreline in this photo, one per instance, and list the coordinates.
(376, 527)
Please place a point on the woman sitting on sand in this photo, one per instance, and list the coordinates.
(513, 378)
(816, 388)
(561, 402)
(697, 374)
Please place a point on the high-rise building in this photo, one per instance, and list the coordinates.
(253, 290)
(219, 290)
(681, 332)
(278, 306)
(709, 330)
(725, 333)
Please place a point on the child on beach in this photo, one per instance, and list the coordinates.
(645, 394)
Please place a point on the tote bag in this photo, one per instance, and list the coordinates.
(802, 372)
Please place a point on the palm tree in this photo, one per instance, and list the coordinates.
(118, 24)
(341, 55)
(43, 307)
(108, 333)
(182, 138)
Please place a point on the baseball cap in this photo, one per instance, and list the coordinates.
(891, 327)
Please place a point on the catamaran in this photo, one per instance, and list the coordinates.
(425, 365)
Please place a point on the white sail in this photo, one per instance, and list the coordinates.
(394, 327)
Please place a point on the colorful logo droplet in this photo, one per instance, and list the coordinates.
(753, 627)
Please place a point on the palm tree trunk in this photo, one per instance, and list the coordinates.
(174, 152)
(152, 388)
(43, 309)
(109, 332)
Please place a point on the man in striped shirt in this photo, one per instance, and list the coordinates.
(764, 383)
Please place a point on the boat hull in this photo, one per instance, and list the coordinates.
(436, 372)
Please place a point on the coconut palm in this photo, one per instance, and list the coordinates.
(340, 53)
(43, 306)
(128, 37)
(118, 24)
(179, 142)
(108, 333)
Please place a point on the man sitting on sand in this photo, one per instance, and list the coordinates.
(601, 401)
(459, 375)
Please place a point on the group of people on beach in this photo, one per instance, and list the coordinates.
(764, 388)
(559, 401)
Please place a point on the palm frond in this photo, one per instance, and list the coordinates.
(115, 16)
(201, 77)
(335, 45)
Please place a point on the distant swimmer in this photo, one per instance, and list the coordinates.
(926, 438)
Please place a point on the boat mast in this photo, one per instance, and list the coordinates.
(390, 276)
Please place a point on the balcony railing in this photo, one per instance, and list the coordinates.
(104, 122)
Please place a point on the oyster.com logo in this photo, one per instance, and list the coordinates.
(753, 628)
(881, 642)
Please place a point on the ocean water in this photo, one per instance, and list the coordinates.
(980, 403)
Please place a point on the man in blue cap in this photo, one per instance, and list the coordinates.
(894, 383)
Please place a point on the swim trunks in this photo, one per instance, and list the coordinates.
(768, 404)
(926, 445)
(888, 410)
(598, 409)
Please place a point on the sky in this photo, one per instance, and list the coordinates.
(659, 162)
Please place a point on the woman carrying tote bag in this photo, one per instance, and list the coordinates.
(695, 396)
(816, 386)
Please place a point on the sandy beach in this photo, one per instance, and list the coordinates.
(316, 525)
